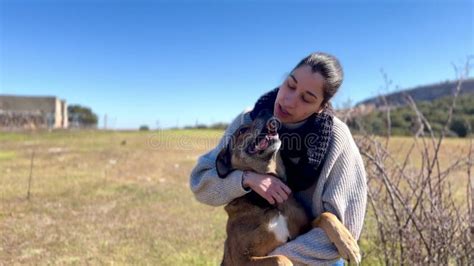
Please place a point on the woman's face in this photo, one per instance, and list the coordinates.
(300, 95)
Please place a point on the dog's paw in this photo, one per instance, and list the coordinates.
(340, 236)
(283, 261)
(275, 260)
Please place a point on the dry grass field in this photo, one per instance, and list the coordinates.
(116, 198)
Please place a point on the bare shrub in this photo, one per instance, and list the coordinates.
(417, 213)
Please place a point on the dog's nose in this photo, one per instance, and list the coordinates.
(273, 124)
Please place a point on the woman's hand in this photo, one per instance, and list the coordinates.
(269, 187)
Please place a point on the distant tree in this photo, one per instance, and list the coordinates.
(220, 125)
(404, 122)
(81, 116)
(144, 128)
(460, 126)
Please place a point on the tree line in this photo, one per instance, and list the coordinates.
(404, 121)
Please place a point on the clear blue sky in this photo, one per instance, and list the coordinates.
(180, 62)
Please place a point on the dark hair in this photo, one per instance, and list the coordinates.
(329, 67)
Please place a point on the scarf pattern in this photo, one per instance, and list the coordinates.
(314, 137)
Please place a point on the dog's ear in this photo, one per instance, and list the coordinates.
(223, 162)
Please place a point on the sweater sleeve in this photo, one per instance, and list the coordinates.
(206, 185)
(345, 195)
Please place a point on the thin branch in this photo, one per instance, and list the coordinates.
(31, 175)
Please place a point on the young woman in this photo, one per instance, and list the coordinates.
(324, 167)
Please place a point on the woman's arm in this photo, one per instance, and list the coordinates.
(207, 187)
(344, 194)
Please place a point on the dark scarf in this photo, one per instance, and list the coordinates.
(310, 146)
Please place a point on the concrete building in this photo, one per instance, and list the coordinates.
(32, 112)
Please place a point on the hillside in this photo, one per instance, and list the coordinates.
(405, 122)
(421, 93)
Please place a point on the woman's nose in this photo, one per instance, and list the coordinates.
(290, 100)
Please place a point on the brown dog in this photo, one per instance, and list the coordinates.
(255, 227)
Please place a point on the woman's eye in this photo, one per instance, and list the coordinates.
(289, 86)
(305, 100)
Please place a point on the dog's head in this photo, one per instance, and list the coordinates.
(252, 146)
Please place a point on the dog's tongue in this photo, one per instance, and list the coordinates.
(262, 144)
(272, 126)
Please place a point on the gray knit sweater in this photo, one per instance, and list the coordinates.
(341, 189)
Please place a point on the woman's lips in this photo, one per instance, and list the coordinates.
(282, 112)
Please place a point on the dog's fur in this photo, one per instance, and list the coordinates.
(255, 227)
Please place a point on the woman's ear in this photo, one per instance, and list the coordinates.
(223, 162)
(321, 108)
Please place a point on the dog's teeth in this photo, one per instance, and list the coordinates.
(262, 144)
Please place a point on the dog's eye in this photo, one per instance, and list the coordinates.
(243, 130)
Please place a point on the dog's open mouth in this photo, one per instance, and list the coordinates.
(265, 139)
(263, 144)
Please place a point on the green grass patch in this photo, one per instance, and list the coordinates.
(7, 155)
